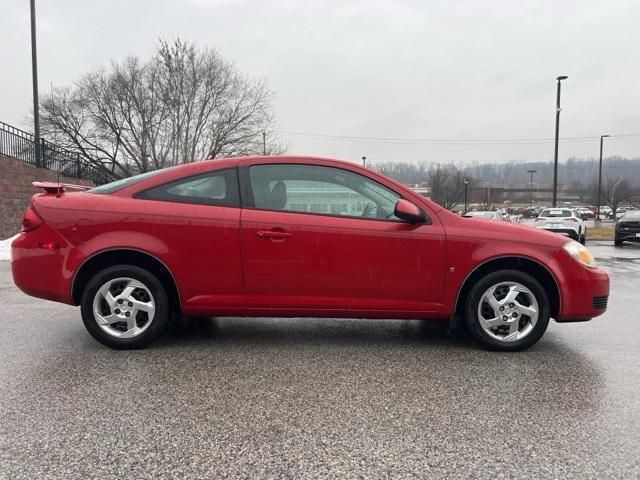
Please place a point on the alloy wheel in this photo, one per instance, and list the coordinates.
(508, 312)
(124, 307)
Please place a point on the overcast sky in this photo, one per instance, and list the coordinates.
(445, 70)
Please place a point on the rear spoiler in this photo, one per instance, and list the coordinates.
(59, 188)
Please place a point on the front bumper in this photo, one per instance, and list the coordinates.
(584, 291)
(628, 236)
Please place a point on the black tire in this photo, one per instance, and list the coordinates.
(617, 242)
(155, 328)
(472, 323)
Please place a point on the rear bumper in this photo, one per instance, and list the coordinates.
(39, 262)
(564, 231)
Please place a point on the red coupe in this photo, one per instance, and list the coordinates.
(293, 237)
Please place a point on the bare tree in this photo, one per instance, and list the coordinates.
(185, 103)
(486, 196)
(447, 185)
(614, 192)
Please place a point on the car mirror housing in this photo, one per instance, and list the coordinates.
(409, 212)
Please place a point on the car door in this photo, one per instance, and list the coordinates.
(321, 240)
(198, 219)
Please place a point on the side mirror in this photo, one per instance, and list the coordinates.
(407, 211)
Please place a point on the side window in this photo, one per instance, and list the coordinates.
(213, 188)
(317, 189)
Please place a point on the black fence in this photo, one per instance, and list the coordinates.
(19, 144)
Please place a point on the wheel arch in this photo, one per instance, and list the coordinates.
(513, 262)
(125, 256)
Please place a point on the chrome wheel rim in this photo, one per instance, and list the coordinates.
(124, 307)
(508, 312)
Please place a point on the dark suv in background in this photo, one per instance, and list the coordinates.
(628, 228)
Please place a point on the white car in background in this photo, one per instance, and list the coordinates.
(605, 211)
(485, 214)
(565, 221)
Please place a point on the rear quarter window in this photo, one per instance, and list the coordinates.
(212, 188)
(125, 182)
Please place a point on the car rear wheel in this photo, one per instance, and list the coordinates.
(507, 310)
(125, 307)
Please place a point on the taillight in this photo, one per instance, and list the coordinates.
(570, 219)
(31, 220)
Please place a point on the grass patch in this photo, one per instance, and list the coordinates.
(600, 233)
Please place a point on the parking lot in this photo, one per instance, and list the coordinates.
(317, 398)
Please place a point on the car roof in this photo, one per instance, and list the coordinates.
(203, 166)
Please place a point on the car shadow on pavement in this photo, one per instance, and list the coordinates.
(194, 331)
(200, 330)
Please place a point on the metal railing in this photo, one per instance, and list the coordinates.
(19, 144)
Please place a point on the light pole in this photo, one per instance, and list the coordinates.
(602, 137)
(531, 172)
(555, 152)
(264, 143)
(466, 187)
(34, 74)
(364, 161)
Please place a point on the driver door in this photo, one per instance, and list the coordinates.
(307, 249)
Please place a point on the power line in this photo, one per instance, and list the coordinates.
(447, 141)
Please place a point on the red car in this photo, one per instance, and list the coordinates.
(293, 237)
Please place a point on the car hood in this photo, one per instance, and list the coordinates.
(502, 231)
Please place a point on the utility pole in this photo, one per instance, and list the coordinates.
(34, 74)
(364, 161)
(264, 143)
(531, 172)
(466, 203)
(602, 137)
(555, 153)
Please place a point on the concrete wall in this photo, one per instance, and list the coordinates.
(16, 191)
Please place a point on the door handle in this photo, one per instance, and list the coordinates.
(273, 234)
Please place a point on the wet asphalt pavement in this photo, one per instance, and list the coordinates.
(311, 398)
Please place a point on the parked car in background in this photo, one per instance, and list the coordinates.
(531, 212)
(605, 211)
(486, 214)
(622, 210)
(293, 237)
(628, 228)
(565, 221)
(585, 213)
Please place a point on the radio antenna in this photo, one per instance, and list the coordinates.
(58, 177)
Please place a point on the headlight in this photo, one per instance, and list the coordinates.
(580, 253)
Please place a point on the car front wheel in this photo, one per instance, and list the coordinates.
(125, 307)
(507, 310)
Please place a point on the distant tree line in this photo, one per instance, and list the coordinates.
(620, 181)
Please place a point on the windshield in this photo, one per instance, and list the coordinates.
(552, 212)
(125, 182)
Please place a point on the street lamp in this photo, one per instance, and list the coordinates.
(34, 74)
(531, 172)
(364, 161)
(466, 187)
(602, 137)
(555, 153)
